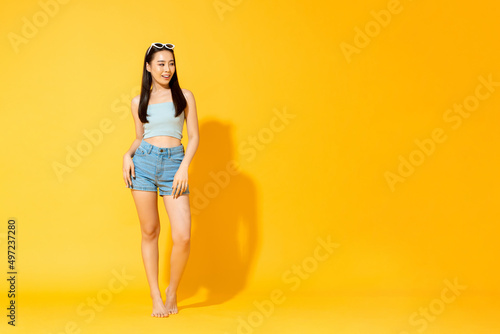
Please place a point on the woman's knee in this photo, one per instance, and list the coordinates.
(183, 240)
(150, 232)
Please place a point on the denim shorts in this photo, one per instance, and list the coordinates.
(155, 167)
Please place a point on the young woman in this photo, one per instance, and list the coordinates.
(157, 160)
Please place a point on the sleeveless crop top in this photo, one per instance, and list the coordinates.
(162, 121)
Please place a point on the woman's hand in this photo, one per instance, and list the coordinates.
(128, 168)
(180, 181)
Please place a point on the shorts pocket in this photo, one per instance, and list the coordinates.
(177, 157)
(139, 151)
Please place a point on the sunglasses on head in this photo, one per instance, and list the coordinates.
(160, 45)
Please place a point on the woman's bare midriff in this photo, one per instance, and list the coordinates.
(163, 141)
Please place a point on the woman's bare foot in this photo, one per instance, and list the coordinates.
(159, 309)
(171, 302)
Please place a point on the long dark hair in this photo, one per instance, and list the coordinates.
(178, 98)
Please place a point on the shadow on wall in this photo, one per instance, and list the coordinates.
(224, 235)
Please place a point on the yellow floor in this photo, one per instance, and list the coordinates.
(250, 312)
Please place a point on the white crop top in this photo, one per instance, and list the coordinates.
(162, 121)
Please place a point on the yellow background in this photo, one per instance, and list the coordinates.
(321, 173)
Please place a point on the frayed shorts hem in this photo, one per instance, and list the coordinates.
(142, 188)
(170, 194)
(162, 193)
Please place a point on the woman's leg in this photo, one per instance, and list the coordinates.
(179, 214)
(147, 210)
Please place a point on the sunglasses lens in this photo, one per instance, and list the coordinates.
(170, 46)
(158, 45)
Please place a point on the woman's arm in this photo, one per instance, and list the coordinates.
(139, 129)
(192, 129)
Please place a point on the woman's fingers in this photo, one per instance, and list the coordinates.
(178, 188)
(127, 179)
(126, 175)
(174, 186)
(128, 168)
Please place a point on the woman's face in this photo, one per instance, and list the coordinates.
(162, 67)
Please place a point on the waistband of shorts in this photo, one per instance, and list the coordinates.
(149, 148)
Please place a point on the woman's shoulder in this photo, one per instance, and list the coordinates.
(187, 93)
(136, 99)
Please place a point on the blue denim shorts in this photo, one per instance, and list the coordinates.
(155, 167)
